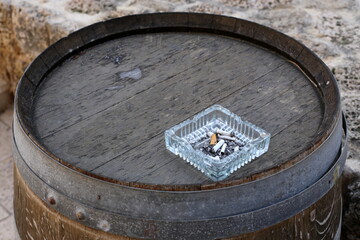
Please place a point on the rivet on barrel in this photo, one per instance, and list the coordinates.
(80, 214)
(104, 225)
(51, 199)
(313, 215)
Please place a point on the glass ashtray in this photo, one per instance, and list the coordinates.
(197, 141)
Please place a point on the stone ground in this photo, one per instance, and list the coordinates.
(331, 28)
(7, 224)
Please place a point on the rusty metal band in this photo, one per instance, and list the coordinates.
(175, 223)
(171, 205)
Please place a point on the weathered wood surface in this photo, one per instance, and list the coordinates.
(36, 220)
(105, 109)
(322, 220)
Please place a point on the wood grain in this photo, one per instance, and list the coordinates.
(36, 220)
(177, 171)
(91, 116)
(319, 221)
(98, 69)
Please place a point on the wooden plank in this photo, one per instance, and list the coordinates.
(98, 138)
(319, 221)
(119, 133)
(157, 166)
(24, 100)
(36, 220)
(112, 89)
(267, 87)
(93, 73)
(51, 124)
(287, 140)
(148, 113)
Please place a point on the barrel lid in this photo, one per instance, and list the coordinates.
(100, 100)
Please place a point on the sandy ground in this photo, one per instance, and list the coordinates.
(7, 223)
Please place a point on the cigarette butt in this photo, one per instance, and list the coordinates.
(218, 145)
(213, 139)
(223, 148)
(227, 137)
(230, 134)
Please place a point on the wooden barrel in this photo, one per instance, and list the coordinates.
(91, 112)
